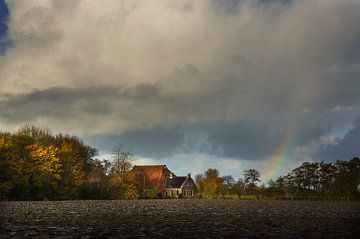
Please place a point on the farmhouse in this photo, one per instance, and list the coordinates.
(159, 181)
(183, 187)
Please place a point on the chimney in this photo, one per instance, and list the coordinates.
(189, 175)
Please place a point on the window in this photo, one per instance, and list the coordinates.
(184, 193)
(191, 193)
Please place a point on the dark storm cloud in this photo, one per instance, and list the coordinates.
(155, 143)
(4, 14)
(56, 102)
(339, 86)
(144, 105)
(226, 7)
(240, 140)
(244, 140)
(147, 98)
(257, 140)
(231, 7)
(345, 148)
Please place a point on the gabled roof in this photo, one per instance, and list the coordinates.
(150, 167)
(152, 176)
(175, 182)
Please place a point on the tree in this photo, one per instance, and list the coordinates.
(48, 168)
(6, 182)
(199, 180)
(348, 178)
(227, 186)
(280, 186)
(77, 160)
(123, 182)
(122, 159)
(41, 136)
(96, 185)
(35, 165)
(209, 183)
(251, 178)
(239, 187)
(327, 176)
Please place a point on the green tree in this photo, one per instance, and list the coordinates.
(227, 186)
(239, 188)
(6, 182)
(251, 178)
(199, 180)
(348, 178)
(327, 176)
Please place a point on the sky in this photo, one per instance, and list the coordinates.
(232, 84)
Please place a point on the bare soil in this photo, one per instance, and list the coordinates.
(179, 219)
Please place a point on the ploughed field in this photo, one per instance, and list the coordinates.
(179, 219)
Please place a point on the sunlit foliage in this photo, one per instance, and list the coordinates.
(309, 181)
(122, 181)
(209, 183)
(35, 165)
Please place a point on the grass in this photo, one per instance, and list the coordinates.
(248, 197)
(230, 197)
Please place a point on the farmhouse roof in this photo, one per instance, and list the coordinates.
(152, 176)
(175, 182)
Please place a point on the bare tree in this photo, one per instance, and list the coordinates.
(123, 181)
(122, 161)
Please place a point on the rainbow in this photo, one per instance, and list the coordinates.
(279, 157)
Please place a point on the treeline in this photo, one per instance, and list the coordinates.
(37, 165)
(212, 185)
(337, 181)
(310, 181)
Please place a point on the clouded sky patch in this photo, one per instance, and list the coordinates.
(345, 148)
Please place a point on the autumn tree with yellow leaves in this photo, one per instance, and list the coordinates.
(36, 165)
(209, 183)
